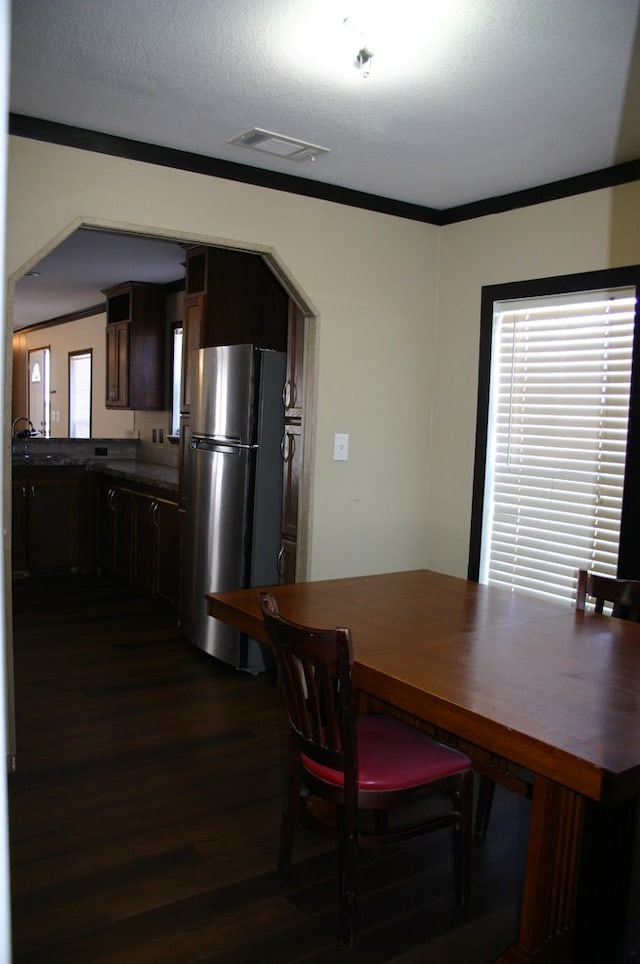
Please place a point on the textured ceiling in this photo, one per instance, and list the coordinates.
(73, 277)
(467, 99)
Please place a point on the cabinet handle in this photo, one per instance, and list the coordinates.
(286, 394)
(33, 492)
(153, 509)
(24, 491)
(280, 561)
(287, 447)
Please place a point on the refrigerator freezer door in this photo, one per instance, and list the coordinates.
(267, 496)
(233, 490)
(216, 541)
(224, 404)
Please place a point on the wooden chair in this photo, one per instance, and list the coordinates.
(624, 597)
(623, 594)
(372, 762)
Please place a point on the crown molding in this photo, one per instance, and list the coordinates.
(35, 128)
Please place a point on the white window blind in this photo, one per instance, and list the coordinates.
(80, 395)
(176, 381)
(560, 384)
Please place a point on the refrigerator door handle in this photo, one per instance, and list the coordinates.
(226, 448)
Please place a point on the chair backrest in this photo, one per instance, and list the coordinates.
(314, 669)
(623, 594)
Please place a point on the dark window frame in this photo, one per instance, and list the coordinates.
(629, 547)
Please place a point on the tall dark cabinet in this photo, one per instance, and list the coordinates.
(232, 298)
(292, 444)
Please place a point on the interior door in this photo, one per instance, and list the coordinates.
(39, 391)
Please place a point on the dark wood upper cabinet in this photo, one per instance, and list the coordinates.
(118, 365)
(136, 338)
(293, 387)
(242, 302)
(193, 327)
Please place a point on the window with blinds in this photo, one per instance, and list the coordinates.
(80, 394)
(558, 411)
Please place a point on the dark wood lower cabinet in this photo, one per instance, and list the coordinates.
(144, 542)
(113, 528)
(67, 519)
(156, 566)
(287, 561)
(168, 552)
(291, 449)
(52, 519)
(138, 537)
(19, 526)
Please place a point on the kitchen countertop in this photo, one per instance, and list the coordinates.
(132, 470)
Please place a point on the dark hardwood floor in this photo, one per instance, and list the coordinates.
(144, 812)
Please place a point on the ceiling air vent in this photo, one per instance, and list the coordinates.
(279, 145)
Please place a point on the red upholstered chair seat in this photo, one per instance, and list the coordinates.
(393, 756)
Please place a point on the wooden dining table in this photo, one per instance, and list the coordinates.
(545, 699)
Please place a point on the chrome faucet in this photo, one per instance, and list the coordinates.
(27, 432)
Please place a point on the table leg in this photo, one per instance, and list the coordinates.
(550, 884)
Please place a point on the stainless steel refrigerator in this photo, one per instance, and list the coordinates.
(233, 486)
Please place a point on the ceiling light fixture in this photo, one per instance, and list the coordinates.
(363, 61)
(364, 56)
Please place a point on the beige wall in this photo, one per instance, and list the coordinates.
(77, 336)
(585, 233)
(370, 280)
(395, 347)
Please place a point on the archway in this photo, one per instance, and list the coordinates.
(300, 304)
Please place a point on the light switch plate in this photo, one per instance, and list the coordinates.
(340, 448)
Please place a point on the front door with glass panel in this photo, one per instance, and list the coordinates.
(39, 391)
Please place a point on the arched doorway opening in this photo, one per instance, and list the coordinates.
(301, 350)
